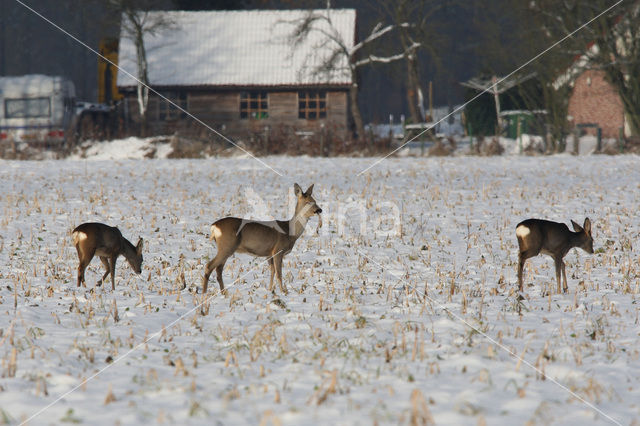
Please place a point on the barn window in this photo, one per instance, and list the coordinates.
(168, 110)
(312, 104)
(254, 105)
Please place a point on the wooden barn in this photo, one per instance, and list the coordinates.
(239, 73)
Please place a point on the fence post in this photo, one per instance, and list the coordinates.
(621, 139)
(322, 154)
(267, 137)
(547, 138)
(519, 133)
(599, 133)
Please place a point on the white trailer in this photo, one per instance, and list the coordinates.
(36, 108)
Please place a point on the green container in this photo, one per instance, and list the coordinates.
(510, 119)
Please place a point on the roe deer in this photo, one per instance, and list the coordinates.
(264, 239)
(537, 236)
(108, 243)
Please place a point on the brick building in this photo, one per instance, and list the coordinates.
(595, 100)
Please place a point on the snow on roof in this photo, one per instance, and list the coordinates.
(238, 48)
(580, 64)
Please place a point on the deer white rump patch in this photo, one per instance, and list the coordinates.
(522, 231)
(215, 233)
(79, 236)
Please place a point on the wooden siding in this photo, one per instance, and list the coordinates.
(221, 111)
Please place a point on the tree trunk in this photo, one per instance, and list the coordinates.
(632, 116)
(143, 76)
(413, 89)
(414, 92)
(355, 109)
(628, 96)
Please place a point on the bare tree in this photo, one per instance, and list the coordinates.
(343, 56)
(138, 21)
(511, 34)
(423, 35)
(610, 42)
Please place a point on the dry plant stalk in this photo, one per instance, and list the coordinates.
(328, 386)
(110, 396)
(180, 369)
(41, 387)
(194, 357)
(420, 413)
(231, 355)
(116, 317)
(414, 351)
(268, 417)
(521, 357)
(12, 368)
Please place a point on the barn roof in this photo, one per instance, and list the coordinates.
(239, 48)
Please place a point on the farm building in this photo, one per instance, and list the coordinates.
(240, 73)
(594, 100)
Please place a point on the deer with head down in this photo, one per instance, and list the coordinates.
(272, 239)
(537, 236)
(107, 242)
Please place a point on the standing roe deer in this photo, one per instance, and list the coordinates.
(108, 243)
(537, 236)
(264, 239)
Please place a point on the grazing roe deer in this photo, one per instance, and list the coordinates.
(551, 238)
(263, 239)
(107, 242)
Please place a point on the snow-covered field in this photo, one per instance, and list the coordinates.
(401, 308)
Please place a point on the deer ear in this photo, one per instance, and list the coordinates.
(587, 226)
(309, 190)
(576, 227)
(140, 245)
(297, 190)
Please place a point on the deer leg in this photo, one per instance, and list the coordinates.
(521, 261)
(219, 275)
(85, 259)
(522, 258)
(81, 269)
(273, 271)
(558, 263)
(205, 279)
(211, 265)
(217, 263)
(105, 262)
(112, 263)
(277, 262)
(564, 275)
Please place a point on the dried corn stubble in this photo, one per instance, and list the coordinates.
(462, 213)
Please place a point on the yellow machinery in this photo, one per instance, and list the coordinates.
(107, 72)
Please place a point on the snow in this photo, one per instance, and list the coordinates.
(226, 48)
(448, 123)
(355, 336)
(127, 148)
